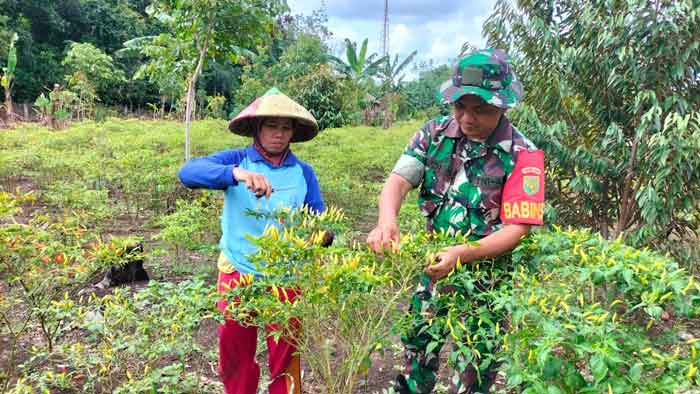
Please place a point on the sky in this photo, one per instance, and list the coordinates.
(437, 28)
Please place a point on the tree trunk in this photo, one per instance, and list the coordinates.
(188, 109)
(56, 105)
(604, 221)
(388, 116)
(8, 106)
(627, 200)
(191, 92)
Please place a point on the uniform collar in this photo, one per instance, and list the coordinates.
(502, 136)
(254, 155)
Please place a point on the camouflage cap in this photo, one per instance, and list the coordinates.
(485, 73)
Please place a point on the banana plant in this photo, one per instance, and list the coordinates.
(8, 75)
(393, 71)
(393, 76)
(358, 66)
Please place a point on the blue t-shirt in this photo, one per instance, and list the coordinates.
(293, 182)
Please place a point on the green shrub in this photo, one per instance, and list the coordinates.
(132, 343)
(588, 316)
(323, 94)
(193, 225)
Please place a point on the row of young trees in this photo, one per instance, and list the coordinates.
(208, 56)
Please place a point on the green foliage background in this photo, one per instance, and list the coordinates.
(152, 58)
(616, 110)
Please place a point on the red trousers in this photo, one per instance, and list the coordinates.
(238, 369)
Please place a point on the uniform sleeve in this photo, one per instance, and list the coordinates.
(313, 199)
(523, 192)
(211, 172)
(411, 164)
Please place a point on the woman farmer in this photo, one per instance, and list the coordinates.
(263, 177)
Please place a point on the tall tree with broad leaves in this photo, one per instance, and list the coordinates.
(392, 72)
(613, 98)
(91, 71)
(201, 30)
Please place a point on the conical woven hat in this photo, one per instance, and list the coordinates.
(275, 104)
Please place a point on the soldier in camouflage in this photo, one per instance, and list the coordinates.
(478, 175)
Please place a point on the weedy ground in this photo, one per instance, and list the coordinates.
(71, 200)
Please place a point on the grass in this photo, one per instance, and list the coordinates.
(119, 178)
(136, 161)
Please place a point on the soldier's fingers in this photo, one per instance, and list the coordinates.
(385, 240)
(429, 270)
(394, 235)
(394, 244)
(378, 245)
(375, 242)
(371, 239)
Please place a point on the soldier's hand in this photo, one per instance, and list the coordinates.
(384, 236)
(255, 182)
(444, 262)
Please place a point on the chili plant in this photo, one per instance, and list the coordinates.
(349, 297)
(592, 316)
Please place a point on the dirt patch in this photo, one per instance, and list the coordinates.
(376, 174)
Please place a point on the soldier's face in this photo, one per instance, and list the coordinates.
(477, 119)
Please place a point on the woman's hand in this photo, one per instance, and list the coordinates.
(256, 183)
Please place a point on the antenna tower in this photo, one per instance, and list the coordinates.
(385, 34)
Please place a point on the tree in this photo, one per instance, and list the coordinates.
(300, 59)
(328, 97)
(421, 97)
(8, 76)
(91, 71)
(167, 73)
(210, 29)
(358, 66)
(614, 102)
(44, 28)
(392, 74)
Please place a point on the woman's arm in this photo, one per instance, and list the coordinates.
(212, 172)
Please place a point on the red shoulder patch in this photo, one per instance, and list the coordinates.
(523, 192)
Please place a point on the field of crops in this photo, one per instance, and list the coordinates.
(586, 315)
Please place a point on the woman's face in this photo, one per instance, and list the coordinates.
(275, 134)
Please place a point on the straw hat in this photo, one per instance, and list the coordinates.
(275, 104)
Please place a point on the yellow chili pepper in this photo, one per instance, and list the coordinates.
(690, 283)
(665, 296)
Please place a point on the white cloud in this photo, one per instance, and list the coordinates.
(401, 39)
(437, 29)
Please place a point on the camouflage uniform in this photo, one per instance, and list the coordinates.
(461, 179)
(461, 185)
